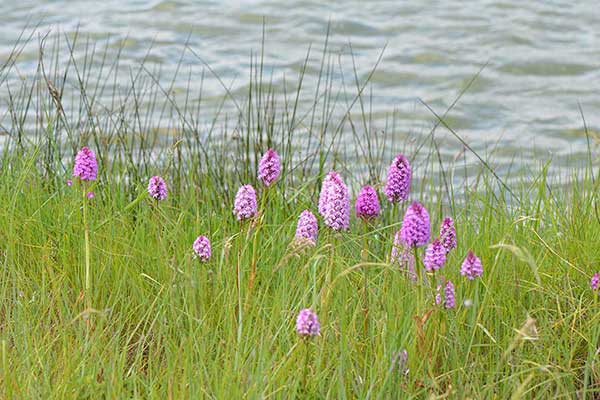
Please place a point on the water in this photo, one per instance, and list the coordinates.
(543, 58)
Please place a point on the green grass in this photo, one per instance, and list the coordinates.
(163, 325)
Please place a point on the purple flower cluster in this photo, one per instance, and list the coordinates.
(435, 256)
(86, 166)
(397, 185)
(595, 282)
(367, 203)
(307, 323)
(269, 167)
(334, 202)
(245, 203)
(307, 228)
(202, 248)
(448, 234)
(416, 229)
(325, 192)
(328, 181)
(449, 300)
(157, 188)
(471, 267)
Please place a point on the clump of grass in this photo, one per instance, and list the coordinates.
(168, 326)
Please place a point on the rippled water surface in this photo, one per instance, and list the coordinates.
(543, 58)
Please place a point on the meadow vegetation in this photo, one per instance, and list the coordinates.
(156, 322)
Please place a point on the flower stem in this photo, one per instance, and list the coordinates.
(364, 257)
(306, 363)
(420, 279)
(434, 285)
(88, 285)
(392, 221)
(238, 282)
(365, 282)
(255, 241)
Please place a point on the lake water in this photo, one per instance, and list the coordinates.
(543, 58)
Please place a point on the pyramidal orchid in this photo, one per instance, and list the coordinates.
(471, 267)
(416, 229)
(397, 185)
(367, 203)
(334, 202)
(307, 324)
(269, 167)
(449, 295)
(202, 248)
(157, 188)
(595, 282)
(307, 228)
(448, 234)
(245, 206)
(435, 256)
(323, 196)
(86, 166)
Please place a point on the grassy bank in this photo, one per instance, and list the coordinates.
(157, 323)
(164, 325)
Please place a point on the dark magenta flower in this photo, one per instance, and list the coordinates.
(448, 234)
(595, 282)
(307, 323)
(86, 166)
(449, 300)
(157, 188)
(334, 202)
(435, 256)
(471, 267)
(307, 228)
(245, 203)
(367, 203)
(416, 229)
(397, 185)
(202, 248)
(269, 167)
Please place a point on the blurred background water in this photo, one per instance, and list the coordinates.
(543, 58)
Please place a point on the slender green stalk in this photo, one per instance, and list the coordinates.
(86, 228)
(365, 295)
(364, 257)
(305, 372)
(255, 240)
(394, 229)
(420, 280)
(239, 307)
(5, 371)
